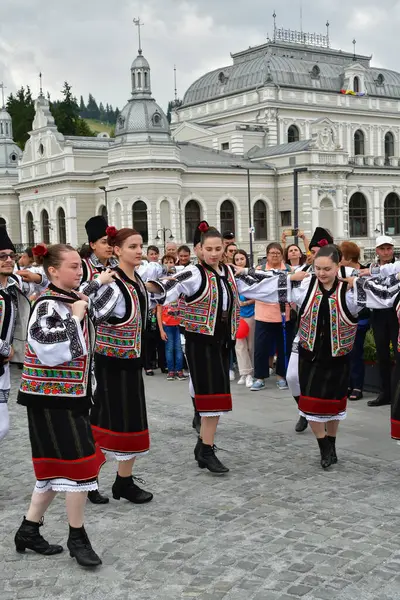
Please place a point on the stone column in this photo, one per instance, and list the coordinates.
(70, 222)
(314, 207)
(340, 232)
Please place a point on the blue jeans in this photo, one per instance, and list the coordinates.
(268, 337)
(173, 348)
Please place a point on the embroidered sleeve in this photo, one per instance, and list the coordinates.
(151, 270)
(104, 302)
(271, 287)
(186, 283)
(387, 270)
(90, 287)
(54, 335)
(376, 293)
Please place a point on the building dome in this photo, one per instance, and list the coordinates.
(142, 119)
(4, 115)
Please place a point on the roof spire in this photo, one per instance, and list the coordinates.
(139, 24)
(176, 90)
(354, 51)
(274, 17)
(41, 85)
(2, 87)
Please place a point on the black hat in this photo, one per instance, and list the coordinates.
(5, 242)
(201, 228)
(228, 235)
(320, 238)
(96, 228)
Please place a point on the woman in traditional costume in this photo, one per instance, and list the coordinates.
(100, 254)
(211, 317)
(56, 389)
(119, 419)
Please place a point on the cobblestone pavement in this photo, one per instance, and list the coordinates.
(276, 528)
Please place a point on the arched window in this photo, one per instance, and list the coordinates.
(389, 146)
(359, 143)
(139, 218)
(227, 213)
(260, 220)
(356, 85)
(293, 134)
(192, 219)
(392, 214)
(61, 227)
(30, 229)
(103, 212)
(44, 221)
(358, 215)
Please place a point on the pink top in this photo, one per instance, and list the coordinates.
(270, 313)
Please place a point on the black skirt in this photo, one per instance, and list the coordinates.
(323, 385)
(119, 417)
(209, 371)
(395, 415)
(63, 445)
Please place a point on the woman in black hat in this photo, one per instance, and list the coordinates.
(101, 253)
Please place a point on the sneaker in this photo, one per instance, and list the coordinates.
(242, 380)
(282, 385)
(249, 381)
(259, 384)
(231, 375)
(170, 376)
(180, 375)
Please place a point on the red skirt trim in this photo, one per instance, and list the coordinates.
(116, 441)
(322, 406)
(213, 402)
(395, 429)
(80, 469)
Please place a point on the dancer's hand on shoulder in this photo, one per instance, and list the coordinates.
(299, 275)
(106, 277)
(79, 309)
(348, 280)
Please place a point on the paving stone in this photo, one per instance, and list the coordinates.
(299, 590)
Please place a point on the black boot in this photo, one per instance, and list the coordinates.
(326, 452)
(333, 448)
(79, 547)
(95, 497)
(207, 459)
(124, 487)
(28, 536)
(196, 452)
(301, 424)
(196, 423)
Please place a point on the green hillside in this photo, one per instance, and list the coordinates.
(99, 127)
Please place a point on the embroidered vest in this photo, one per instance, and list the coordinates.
(182, 310)
(89, 270)
(343, 325)
(202, 310)
(69, 379)
(122, 338)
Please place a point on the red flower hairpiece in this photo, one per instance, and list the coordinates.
(40, 250)
(203, 227)
(111, 231)
(323, 242)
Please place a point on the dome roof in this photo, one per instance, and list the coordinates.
(10, 153)
(140, 62)
(4, 115)
(143, 116)
(289, 69)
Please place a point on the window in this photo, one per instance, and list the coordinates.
(192, 219)
(13, 157)
(1, 129)
(315, 72)
(293, 134)
(44, 220)
(227, 214)
(41, 149)
(139, 79)
(286, 218)
(6, 128)
(30, 229)
(380, 79)
(389, 146)
(157, 120)
(359, 143)
(139, 218)
(260, 220)
(356, 85)
(146, 77)
(358, 218)
(62, 232)
(225, 146)
(103, 212)
(392, 214)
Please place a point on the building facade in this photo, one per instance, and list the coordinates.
(229, 156)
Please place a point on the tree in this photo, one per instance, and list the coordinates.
(102, 113)
(22, 111)
(82, 108)
(172, 105)
(66, 115)
(92, 109)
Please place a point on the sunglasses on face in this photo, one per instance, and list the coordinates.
(4, 257)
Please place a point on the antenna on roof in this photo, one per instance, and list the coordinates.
(139, 24)
(327, 33)
(176, 90)
(274, 17)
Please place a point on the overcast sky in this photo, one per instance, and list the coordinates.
(91, 43)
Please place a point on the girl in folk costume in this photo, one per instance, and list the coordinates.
(211, 318)
(118, 418)
(56, 389)
(14, 316)
(100, 256)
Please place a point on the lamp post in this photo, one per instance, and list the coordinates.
(379, 228)
(106, 190)
(296, 200)
(163, 231)
(251, 229)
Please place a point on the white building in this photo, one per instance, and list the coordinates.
(279, 107)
